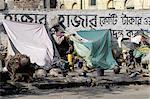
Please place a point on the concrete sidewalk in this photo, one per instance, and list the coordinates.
(74, 80)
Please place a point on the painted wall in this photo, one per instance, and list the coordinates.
(127, 23)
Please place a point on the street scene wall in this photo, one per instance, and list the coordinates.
(121, 22)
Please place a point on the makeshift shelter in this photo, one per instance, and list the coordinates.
(32, 40)
(95, 47)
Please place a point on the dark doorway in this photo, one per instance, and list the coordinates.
(53, 3)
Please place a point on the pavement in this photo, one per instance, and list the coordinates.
(115, 92)
(73, 80)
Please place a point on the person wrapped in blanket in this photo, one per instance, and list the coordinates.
(64, 45)
(141, 50)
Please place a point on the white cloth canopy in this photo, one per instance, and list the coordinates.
(32, 40)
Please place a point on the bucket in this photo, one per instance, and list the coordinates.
(70, 59)
(100, 72)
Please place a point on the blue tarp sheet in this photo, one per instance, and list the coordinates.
(96, 49)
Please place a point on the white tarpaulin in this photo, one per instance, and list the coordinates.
(32, 40)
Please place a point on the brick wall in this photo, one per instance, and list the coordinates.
(27, 4)
(2, 6)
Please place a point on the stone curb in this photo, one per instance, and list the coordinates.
(88, 84)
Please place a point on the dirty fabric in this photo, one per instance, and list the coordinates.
(32, 40)
(137, 39)
(142, 51)
(95, 47)
(146, 59)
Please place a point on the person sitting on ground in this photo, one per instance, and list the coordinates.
(61, 42)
